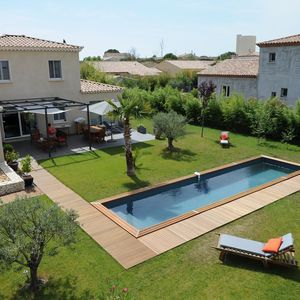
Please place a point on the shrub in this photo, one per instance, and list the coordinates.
(193, 109)
(26, 164)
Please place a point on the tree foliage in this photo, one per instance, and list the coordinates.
(170, 125)
(170, 56)
(132, 105)
(206, 90)
(226, 55)
(112, 51)
(28, 227)
(92, 58)
(88, 72)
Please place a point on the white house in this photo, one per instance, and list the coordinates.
(279, 69)
(32, 68)
(237, 75)
(275, 73)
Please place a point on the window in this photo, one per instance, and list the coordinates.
(55, 69)
(284, 92)
(4, 70)
(272, 57)
(273, 94)
(59, 117)
(226, 90)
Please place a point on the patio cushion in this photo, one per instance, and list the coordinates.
(273, 245)
(245, 245)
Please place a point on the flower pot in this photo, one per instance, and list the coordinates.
(28, 180)
(14, 165)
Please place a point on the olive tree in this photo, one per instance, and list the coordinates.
(27, 226)
(170, 125)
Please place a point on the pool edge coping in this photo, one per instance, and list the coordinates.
(98, 204)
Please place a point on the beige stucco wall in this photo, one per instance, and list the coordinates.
(29, 72)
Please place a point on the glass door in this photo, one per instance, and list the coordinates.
(18, 124)
(11, 125)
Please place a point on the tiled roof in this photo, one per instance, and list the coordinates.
(191, 64)
(26, 43)
(121, 67)
(93, 87)
(244, 67)
(292, 40)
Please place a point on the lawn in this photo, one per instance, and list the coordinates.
(102, 173)
(191, 271)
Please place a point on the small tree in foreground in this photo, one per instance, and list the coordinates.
(27, 226)
(170, 125)
(206, 89)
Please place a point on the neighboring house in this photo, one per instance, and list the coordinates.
(274, 73)
(125, 68)
(36, 68)
(279, 69)
(174, 67)
(237, 75)
(111, 56)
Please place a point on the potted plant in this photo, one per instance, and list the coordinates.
(11, 158)
(26, 169)
(142, 129)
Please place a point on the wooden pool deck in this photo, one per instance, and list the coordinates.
(130, 251)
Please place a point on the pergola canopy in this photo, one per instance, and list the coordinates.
(45, 105)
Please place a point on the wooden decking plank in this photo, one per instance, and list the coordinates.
(162, 240)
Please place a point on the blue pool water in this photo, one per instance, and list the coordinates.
(157, 205)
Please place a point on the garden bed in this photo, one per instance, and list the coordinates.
(10, 181)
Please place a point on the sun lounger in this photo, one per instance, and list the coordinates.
(224, 139)
(253, 249)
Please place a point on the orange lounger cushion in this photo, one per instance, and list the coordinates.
(273, 245)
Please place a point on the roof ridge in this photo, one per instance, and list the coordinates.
(39, 39)
(285, 37)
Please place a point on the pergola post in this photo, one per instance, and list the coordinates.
(46, 120)
(88, 121)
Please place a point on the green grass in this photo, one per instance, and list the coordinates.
(191, 271)
(102, 173)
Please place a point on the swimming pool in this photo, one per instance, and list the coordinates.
(159, 205)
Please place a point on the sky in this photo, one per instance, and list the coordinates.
(205, 27)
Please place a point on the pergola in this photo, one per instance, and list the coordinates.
(45, 106)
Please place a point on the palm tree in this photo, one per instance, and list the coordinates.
(132, 105)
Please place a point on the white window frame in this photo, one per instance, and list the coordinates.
(9, 71)
(281, 92)
(225, 90)
(271, 60)
(61, 72)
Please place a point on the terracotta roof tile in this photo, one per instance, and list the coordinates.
(129, 67)
(244, 67)
(292, 40)
(26, 43)
(93, 87)
(191, 64)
